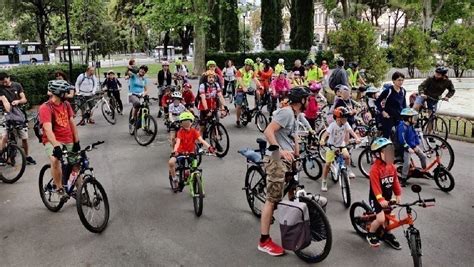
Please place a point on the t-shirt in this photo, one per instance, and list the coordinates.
(279, 68)
(314, 74)
(188, 138)
(285, 117)
(301, 69)
(59, 115)
(188, 97)
(12, 92)
(86, 85)
(337, 134)
(211, 95)
(137, 85)
(176, 109)
(246, 76)
(383, 181)
(229, 73)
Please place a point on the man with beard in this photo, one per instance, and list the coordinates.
(432, 89)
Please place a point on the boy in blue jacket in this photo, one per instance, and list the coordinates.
(409, 141)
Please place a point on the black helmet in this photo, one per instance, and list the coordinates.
(441, 70)
(297, 94)
(353, 65)
(309, 62)
(59, 87)
(144, 67)
(266, 61)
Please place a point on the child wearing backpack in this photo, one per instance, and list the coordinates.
(408, 141)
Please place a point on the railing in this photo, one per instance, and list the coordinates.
(422, 75)
(460, 126)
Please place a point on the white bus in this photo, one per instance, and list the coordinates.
(15, 52)
(30, 53)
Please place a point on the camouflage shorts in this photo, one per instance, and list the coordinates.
(275, 170)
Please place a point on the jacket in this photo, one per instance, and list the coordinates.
(394, 102)
(407, 136)
(383, 181)
(161, 78)
(435, 88)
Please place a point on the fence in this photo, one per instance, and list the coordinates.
(460, 126)
(423, 75)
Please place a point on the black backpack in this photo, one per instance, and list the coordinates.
(333, 79)
(197, 100)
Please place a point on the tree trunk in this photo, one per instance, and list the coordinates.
(41, 24)
(186, 38)
(326, 25)
(429, 14)
(395, 22)
(166, 42)
(200, 7)
(411, 71)
(345, 8)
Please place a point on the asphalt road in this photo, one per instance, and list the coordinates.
(149, 225)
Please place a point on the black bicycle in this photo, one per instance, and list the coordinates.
(255, 190)
(216, 133)
(432, 123)
(248, 114)
(13, 157)
(91, 200)
(144, 126)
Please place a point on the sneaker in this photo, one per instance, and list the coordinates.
(373, 240)
(270, 248)
(30, 161)
(392, 241)
(175, 184)
(91, 121)
(352, 175)
(403, 182)
(324, 186)
(238, 124)
(62, 195)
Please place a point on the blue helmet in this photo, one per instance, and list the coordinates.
(379, 144)
(408, 112)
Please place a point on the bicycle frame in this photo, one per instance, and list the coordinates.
(435, 162)
(193, 171)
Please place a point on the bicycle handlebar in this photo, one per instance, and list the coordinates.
(420, 202)
(351, 143)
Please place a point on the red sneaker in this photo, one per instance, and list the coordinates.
(271, 248)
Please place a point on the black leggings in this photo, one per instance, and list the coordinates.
(116, 95)
(232, 86)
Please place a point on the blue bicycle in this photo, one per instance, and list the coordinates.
(339, 173)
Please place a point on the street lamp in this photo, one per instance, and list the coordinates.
(245, 35)
(388, 36)
(68, 33)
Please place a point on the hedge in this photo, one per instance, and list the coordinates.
(34, 79)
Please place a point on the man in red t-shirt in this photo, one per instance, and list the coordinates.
(56, 117)
(211, 98)
(185, 144)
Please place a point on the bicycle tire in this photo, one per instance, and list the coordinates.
(441, 174)
(198, 196)
(311, 159)
(261, 121)
(11, 151)
(81, 202)
(111, 111)
(151, 132)
(45, 190)
(221, 151)
(429, 142)
(255, 191)
(360, 223)
(320, 232)
(322, 149)
(439, 128)
(345, 188)
(365, 162)
(415, 249)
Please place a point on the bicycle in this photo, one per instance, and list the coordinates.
(143, 127)
(217, 134)
(108, 111)
(311, 166)
(85, 188)
(190, 174)
(255, 190)
(13, 157)
(431, 123)
(361, 221)
(248, 114)
(339, 173)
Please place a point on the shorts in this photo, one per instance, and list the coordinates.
(48, 148)
(203, 118)
(430, 103)
(239, 98)
(134, 100)
(21, 133)
(276, 171)
(331, 155)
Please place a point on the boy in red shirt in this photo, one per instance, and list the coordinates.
(188, 96)
(185, 144)
(383, 182)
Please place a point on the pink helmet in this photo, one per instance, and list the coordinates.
(315, 87)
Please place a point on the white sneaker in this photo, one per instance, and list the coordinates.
(352, 175)
(324, 186)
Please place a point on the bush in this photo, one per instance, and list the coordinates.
(238, 58)
(34, 79)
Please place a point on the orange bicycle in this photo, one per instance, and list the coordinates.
(362, 216)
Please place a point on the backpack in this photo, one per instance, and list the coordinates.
(295, 227)
(38, 126)
(333, 81)
(197, 100)
(396, 143)
(83, 78)
(382, 103)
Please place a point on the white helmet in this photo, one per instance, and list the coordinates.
(177, 95)
(281, 61)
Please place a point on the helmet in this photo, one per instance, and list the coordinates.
(266, 61)
(210, 73)
(341, 87)
(442, 70)
(353, 65)
(248, 61)
(211, 62)
(258, 59)
(314, 87)
(144, 67)
(379, 144)
(372, 89)
(340, 112)
(110, 72)
(281, 61)
(166, 63)
(283, 72)
(297, 94)
(177, 94)
(186, 116)
(58, 87)
(408, 112)
(178, 62)
(309, 62)
(187, 85)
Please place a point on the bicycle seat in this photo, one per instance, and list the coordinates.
(261, 141)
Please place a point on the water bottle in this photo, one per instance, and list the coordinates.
(72, 178)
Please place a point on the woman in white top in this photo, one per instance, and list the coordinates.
(229, 72)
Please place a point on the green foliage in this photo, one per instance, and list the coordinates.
(457, 45)
(272, 24)
(214, 36)
(238, 58)
(411, 49)
(357, 41)
(303, 38)
(35, 79)
(246, 43)
(327, 55)
(230, 23)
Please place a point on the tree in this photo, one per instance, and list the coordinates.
(329, 5)
(247, 42)
(6, 33)
(214, 36)
(230, 24)
(456, 45)
(357, 41)
(293, 20)
(431, 9)
(377, 8)
(303, 38)
(272, 24)
(412, 50)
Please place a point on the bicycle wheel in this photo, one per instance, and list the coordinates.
(438, 126)
(322, 149)
(198, 196)
(131, 127)
(444, 179)
(145, 133)
(361, 217)
(92, 205)
(15, 163)
(414, 242)
(109, 112)
(219, 138)
(50, 199)
(345, 188)
(365, 162)
(431, 142)
(261, 121)
(255, 189)
(312, 167)
(321, 235)
(198, 155)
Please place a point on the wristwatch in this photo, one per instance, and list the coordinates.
(272, 148)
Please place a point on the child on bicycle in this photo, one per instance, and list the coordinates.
(188, 96)
(409, 141)
(175, 109)
(337, 132)
(383, 183)
(185, 144)
(113, 86)
(166, 100)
